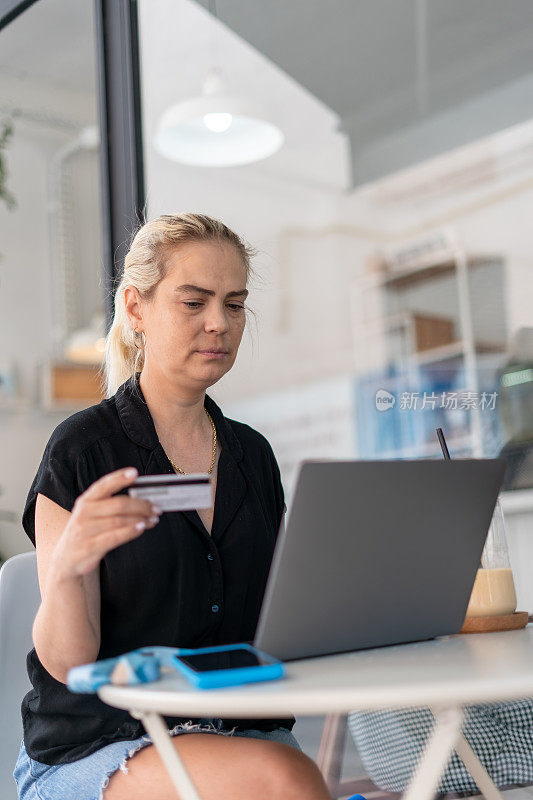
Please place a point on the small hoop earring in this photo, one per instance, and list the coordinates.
(143, 339)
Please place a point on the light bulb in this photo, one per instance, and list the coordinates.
(218, 122)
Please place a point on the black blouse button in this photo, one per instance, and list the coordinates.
(210, 557)
(215, 608)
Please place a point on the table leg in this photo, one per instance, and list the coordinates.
(162, 740)
(432, 763)
(477, 770)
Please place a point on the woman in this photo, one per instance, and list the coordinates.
(115, 575)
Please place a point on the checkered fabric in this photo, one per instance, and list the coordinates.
(501, 735)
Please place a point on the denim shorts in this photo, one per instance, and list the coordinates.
(87, 778)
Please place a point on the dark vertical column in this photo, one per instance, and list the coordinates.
(122, 175)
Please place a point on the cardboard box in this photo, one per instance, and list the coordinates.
(430, 332)
(75, 383)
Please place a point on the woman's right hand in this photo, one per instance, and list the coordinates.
(100, 522)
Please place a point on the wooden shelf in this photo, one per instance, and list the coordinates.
(403, 279)
(454, 350)
(385, 325)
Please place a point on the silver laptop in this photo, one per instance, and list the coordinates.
(376, 553)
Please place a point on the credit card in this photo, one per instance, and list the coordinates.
(175, 492)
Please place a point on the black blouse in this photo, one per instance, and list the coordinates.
(176, 584)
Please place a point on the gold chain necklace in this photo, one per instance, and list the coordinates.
(210, 470)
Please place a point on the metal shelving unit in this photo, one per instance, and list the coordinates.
(380, 319)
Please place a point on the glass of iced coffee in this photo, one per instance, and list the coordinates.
(494, 591)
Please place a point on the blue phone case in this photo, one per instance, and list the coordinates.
(219, 678)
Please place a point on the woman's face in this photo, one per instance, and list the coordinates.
(196, 309)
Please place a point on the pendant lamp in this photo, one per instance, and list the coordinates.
(216, 129)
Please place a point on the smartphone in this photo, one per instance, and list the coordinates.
(227, 665)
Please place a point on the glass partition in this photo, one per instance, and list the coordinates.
(51, 285)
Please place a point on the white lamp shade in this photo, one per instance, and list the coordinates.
(235, 133)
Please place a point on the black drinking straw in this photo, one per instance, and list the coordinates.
(444, 446)
(446, 454)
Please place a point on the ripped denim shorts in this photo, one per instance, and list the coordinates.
(87, 778)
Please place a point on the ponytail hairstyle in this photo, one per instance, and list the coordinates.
(145, 265)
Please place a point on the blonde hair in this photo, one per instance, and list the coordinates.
(145, 265)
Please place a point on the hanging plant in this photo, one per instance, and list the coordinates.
(6, 132)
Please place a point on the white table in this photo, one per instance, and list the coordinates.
(444, 674)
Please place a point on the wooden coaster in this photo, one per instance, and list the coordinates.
(507, 622)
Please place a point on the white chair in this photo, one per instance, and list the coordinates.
(20, 598)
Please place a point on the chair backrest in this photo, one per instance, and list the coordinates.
(20, 598)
